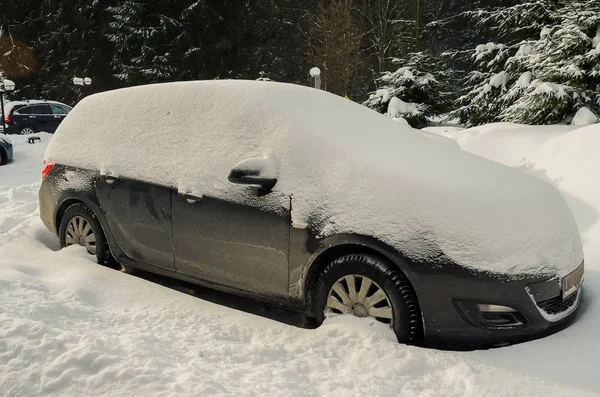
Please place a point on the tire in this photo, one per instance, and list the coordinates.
(69, 236)
(3, 157)
(375, 275)
(27, 130)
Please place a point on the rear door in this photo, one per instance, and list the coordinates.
(236, 244)
(22, 118)
(42, 118)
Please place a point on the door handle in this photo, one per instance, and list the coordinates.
(191, 199)
(110, 179)
(32, 117)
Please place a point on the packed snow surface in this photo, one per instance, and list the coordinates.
(349, 170)
(71, 328)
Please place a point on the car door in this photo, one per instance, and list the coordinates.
(139, 218)
(42, 117)
(21, 117)
(58, 114)
(242, 244)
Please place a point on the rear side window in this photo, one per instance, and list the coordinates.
(23, 110)
(56, 109)
(40, 109)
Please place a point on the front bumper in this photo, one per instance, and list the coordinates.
(450, 320)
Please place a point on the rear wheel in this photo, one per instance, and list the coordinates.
(366, 286)
(80, 226)
(27, 130)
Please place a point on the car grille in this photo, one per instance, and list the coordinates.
(558, 305)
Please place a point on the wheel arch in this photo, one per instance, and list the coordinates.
(74, 198)
(28, 125)
(337, 246)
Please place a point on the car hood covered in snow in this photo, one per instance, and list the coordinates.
(347, 168)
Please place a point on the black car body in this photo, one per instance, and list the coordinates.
(27, 117)
(252, 244)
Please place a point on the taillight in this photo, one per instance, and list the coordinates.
(47, 168)
(7, 119)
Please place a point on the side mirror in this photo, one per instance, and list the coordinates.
(259, 173)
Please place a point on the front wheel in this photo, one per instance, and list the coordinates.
(80, 226)
(366, 286)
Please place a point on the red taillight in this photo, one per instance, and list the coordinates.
(7, 119)
(47, 168)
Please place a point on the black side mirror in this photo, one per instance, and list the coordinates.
(258, 173)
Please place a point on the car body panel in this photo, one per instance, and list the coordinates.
(140, 219)
(267, 258)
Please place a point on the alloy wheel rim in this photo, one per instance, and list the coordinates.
(80, 231)
(26, 131)
(360, 296)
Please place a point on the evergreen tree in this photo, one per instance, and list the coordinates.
(499, 69)
(566, 67)
(412, 91)
(144, 34)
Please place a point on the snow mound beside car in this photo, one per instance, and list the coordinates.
(348, 169)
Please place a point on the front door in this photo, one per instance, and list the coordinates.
(58, 114)
(139, 217)
(243, 246)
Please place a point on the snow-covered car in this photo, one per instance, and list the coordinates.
(6, 149)
(31, 116)
(298, 197)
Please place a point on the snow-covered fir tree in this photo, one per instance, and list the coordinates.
(564, 68)
(499, 69)
(143, 37)
(412, 92)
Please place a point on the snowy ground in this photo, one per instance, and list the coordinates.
(69, 327)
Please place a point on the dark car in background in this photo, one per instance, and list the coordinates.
(31, 116)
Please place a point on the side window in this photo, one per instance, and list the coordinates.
(58, 109)
(23, 110)
(41, 109)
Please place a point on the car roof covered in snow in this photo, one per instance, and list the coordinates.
(348, 169)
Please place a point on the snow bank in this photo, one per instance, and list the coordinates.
(350, 170)
(584, 116)
(398, 107)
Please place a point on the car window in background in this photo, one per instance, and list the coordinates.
(56, 109)
(23, 110)
(41, 109)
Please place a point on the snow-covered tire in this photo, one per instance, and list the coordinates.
(379, 275)
(75, 213)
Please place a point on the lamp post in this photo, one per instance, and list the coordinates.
(7, 85)
(315, 73)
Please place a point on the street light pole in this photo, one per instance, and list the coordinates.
(315, 73)
(7, 85)
(2, 106)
